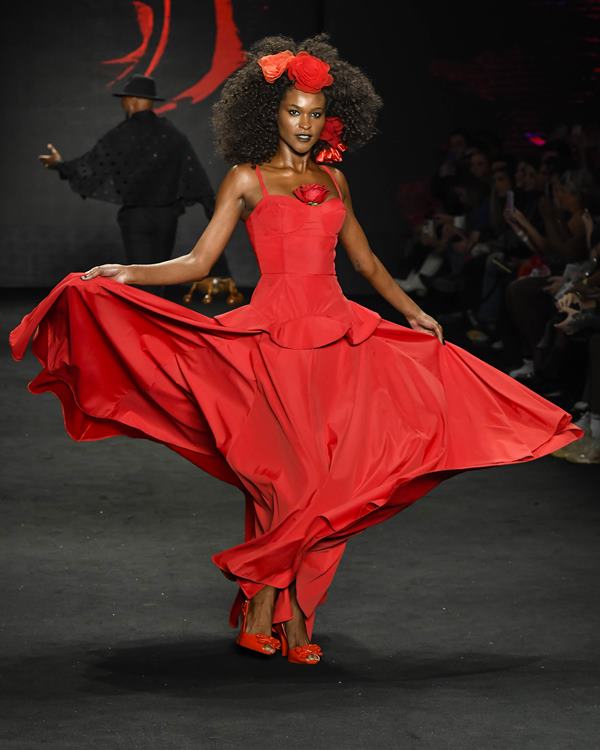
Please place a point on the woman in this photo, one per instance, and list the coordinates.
(496, 251)
(327, 417)
(562, 243)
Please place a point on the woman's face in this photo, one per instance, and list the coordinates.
(501, 184)
(457, 145)
(566, 199)
(480, 166)
(461, 194)
(300, 119)
(520, 174)
(530, 178)
(543, 178)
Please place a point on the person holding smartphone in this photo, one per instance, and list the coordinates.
(563, 241)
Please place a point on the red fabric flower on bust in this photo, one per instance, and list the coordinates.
(313, 194)
(332, 134)
(309, 73)
(274, 65)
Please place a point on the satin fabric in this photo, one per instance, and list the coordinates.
(328, 418)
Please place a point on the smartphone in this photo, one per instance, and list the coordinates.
(510, 201)
(428, 228)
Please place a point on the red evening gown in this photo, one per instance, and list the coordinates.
(327, 417)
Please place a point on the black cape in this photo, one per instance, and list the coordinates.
(143, 161)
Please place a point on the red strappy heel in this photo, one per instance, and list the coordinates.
(256, 641)
(298, 654)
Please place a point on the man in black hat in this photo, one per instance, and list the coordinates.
(150, 168)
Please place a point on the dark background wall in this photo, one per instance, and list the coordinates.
(508, 67)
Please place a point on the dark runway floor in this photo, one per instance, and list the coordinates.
(469, 621)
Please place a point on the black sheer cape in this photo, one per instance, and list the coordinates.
(143, 161)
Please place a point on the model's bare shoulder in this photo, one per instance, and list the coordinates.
(238, 181)
(343, 184)
(243, 175)
(339, 175)
(341, 181)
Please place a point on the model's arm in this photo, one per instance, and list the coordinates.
(368, 265)
(197, 263)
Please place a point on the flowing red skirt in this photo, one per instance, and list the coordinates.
(323, 442)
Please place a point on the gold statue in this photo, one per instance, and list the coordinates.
(215, 285)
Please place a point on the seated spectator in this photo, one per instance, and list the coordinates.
(480, 166)
(455, 230)
(530, 184)
(525, 275)
(564, 240)
(425, 249)
(504, 250)
(461, 236)
(453, 162)
(580, 305)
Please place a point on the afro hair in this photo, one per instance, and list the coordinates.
(245, 116)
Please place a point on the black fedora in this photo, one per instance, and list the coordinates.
(142, 86)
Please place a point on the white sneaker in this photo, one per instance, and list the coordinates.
(412, 283)
(407, 281)
(525, 371)
(581, 406)
(585, 451)
(431, 265)
(585, 421)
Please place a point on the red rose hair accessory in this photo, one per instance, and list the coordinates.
(332, 134)
(274, 65)
(307, 72)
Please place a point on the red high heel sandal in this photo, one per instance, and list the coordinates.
(298, 654)
(256, 641)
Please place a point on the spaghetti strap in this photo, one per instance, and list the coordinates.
(337, 187)
(262, 182)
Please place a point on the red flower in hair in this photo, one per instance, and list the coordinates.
(332, 134)
(273, 65)
(332, 131)
(309, 73)
(331, 153)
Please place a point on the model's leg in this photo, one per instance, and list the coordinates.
(133, 223)
(163, 241)
(260, 612)
(148, 235)
(295, 628)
